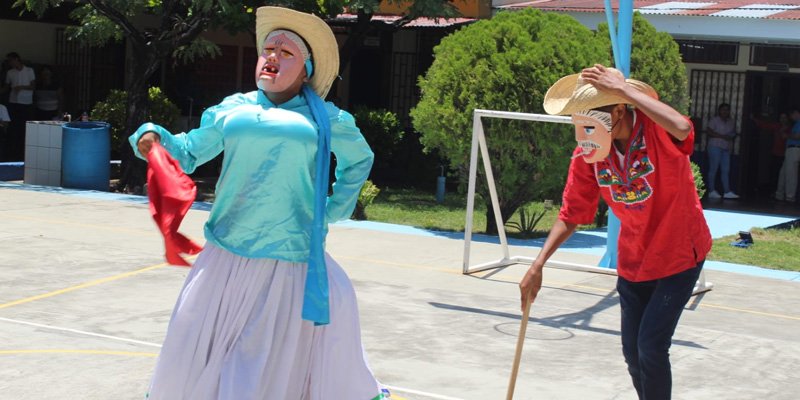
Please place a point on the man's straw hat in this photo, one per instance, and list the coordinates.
(571, 94)
(318, 35)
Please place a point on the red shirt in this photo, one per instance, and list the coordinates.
(663, 230)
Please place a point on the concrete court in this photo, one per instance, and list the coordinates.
(85, 299)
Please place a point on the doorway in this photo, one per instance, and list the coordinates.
(768, 95)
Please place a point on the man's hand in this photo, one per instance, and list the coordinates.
(529, 285)
(605, 79)
(145, 142)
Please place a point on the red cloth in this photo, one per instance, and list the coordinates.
(663, 230)
(779, 133)
(171, 194)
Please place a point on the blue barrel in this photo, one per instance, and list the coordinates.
(440, 181)
(86, 155)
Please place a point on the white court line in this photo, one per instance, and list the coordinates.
(56, 328)
(426, 394)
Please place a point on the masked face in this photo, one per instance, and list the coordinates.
(593, 133)
(280, 68)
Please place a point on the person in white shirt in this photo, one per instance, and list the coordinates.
(721, 133)
(4, 119)
(21, 81)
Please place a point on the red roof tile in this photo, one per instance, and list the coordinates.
(423, 22)
(762, 9)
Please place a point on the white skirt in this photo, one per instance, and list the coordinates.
(236, 334)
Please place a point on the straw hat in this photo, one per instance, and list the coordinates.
(571, 94)
(318, 35)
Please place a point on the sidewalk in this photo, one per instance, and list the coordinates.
(85, 299)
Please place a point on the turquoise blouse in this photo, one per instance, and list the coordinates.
(265, 193)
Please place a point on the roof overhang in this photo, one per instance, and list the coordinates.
(423, 22)
(727, 21)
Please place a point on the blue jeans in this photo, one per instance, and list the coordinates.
(650, 313)
(718, 159)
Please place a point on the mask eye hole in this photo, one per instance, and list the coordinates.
(588, 129)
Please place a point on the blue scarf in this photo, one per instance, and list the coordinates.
(316, 306)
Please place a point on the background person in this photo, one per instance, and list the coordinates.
(49, 96)
(20, 81)
(721, 132)
(4, 120)
(778, 131)
(787, 180)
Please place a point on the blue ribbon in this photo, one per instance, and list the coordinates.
(316, 304)
(309, 68)
(621, 45)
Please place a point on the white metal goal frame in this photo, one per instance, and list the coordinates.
(479, 143)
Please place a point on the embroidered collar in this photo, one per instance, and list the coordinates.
(624, 160)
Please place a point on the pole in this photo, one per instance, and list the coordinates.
(523, 327)
(621, 35)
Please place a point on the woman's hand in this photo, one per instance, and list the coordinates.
(145, 142)
(529, 285)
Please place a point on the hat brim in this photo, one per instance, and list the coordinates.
(318, 35)
(569, 95)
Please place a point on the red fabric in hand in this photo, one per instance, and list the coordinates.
(171, 194)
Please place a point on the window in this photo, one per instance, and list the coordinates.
(762, 54)
(704, 52)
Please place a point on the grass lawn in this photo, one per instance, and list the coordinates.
(416, 208)
(773, 248)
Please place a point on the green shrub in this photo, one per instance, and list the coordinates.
(366, 196)
(698, 181)
(382, 130)
(528, 220)
(506, 63)
(114, 111)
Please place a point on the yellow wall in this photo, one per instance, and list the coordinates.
(468, 8)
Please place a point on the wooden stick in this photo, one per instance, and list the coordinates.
(523, 327)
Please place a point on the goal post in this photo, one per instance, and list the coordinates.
(479, 144)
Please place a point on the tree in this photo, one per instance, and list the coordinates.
(156, 31)
(506, 63)
(365, 10)
(656, 60)
(174, 27)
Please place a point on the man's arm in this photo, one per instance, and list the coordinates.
(5, 86)
(4, 117)
(531, 283)
(711, 131)
(30, 86)
(662, 114)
